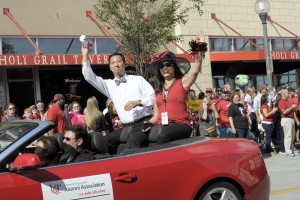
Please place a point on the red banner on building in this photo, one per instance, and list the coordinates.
(61, 59)
(55, 59)
(253, 55)
(285, 55)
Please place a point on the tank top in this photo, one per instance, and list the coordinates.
(174, 104)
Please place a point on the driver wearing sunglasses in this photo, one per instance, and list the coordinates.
(75, 140)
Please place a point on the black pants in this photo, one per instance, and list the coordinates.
(113, 141)
(254, 125)
(281, 138)
(136, 139)
(174, 131)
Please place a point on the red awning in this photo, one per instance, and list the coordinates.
(253, 55)
(60, 59)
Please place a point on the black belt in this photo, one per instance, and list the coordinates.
(137, 122)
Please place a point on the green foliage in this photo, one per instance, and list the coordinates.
(7, 48)
(142, 26)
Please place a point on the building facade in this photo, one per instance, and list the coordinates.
(49, 60)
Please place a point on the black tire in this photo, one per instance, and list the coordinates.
(221, 191)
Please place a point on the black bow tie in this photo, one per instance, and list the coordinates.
(121, 80)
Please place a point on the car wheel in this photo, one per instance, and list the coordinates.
(221, 191)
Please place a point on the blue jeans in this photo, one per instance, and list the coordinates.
(242, 132)
(269, 130)
(225, 132)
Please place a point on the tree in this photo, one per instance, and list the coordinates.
(7, 48)
(143, 25)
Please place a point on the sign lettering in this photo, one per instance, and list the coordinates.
(46, 60)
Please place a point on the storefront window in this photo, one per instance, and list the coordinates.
(241, 45)
(259, 80)
(288, 78)
(17, 46)
(220, 44)
(106, 45)
(285, 45)
(61, 45)
(259, 42)
(20, 74)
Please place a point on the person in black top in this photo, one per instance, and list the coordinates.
(76, 139)
(238, 116)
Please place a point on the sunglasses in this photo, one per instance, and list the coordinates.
(165, 64)
(69, 139)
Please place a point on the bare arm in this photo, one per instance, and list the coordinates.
(189, 79)
(232, 125)
(155, 114)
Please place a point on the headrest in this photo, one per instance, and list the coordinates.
(60, 143)
(98, 143)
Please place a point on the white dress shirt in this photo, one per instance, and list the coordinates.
(135, 88)
(249, 102)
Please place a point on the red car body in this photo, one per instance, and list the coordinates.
(179, 170)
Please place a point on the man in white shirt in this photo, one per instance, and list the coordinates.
(256, 103)
(132, 95)
(250, 94)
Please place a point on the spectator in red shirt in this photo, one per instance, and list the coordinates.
(40, 109)
(287, 122)
(35, 115)
(56, 115)
(267, 121)
(223, 124)
(211, 96)
(297, 117)
(292, 99)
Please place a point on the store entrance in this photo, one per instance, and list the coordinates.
(70, 82)
(22, 95)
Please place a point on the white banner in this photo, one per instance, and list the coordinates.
(88, 187)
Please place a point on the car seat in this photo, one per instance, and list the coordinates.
(154, 133)
(99, 145)
(123, 138)
(60, 144)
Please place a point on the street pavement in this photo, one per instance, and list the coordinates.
(284, 172)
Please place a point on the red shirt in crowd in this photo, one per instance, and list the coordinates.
(266, 119)
(284, 104)
(222, 108)
(56, 115)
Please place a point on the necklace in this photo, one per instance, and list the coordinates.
(166, 89)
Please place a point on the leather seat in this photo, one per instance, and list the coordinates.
(154, 133)
(99, 145)
(60, 143)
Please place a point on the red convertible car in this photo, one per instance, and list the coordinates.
(195, 168)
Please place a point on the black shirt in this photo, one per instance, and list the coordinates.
(239, 115)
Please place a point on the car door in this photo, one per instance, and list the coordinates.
(107, 179)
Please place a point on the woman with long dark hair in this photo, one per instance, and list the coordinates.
(170, 111)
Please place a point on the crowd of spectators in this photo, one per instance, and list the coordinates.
(270, 118)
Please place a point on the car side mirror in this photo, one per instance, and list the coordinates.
(25, 161)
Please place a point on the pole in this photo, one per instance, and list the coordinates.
(269, 63)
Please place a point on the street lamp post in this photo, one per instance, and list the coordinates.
(262, 7)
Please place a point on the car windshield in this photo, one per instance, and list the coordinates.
(10, 132)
